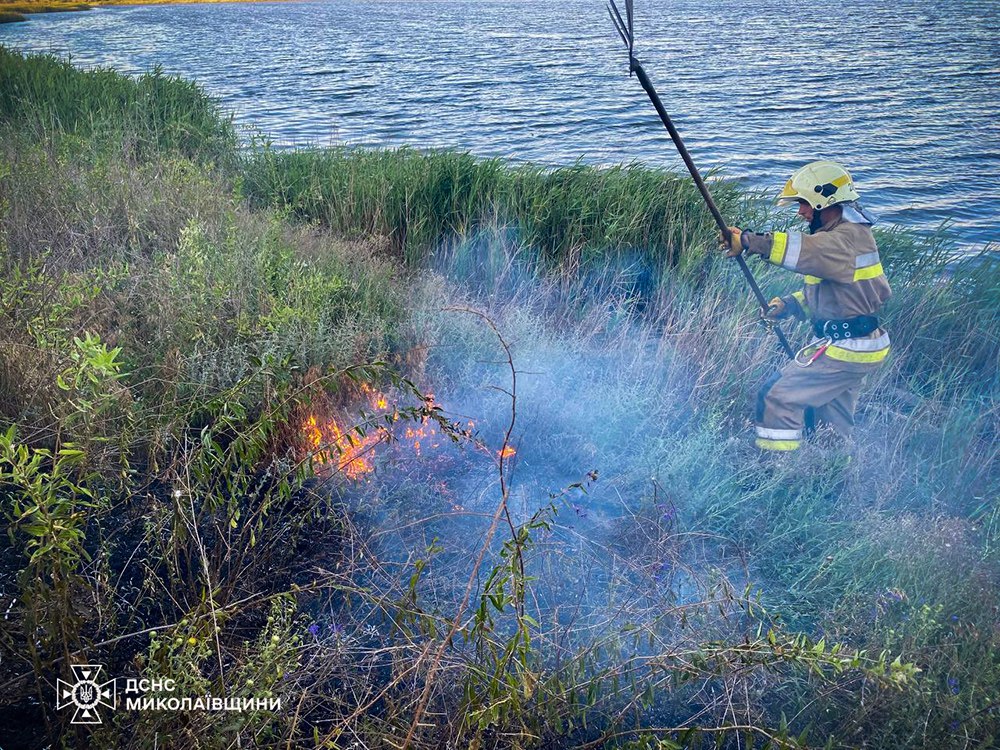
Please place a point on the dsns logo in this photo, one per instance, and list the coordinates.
(86, 694)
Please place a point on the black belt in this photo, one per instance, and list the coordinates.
(849, 328)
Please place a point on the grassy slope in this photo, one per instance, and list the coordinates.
(127, 213)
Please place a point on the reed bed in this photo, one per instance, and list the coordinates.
(44, 95)
(417, 200)
(175, 312)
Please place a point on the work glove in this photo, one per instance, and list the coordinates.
(732, 245)
(776, 310)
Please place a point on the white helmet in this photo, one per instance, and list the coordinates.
(820, 184)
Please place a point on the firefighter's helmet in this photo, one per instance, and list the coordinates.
(820, 184)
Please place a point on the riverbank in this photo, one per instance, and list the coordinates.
(13, 12)
(19, 10)
(182, 2)
(191, 330)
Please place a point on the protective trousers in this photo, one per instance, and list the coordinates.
(829, 387)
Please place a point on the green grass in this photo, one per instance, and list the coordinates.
(171, 307)
(418, 201)
(155, 330)
(41, 94)
(889, 544)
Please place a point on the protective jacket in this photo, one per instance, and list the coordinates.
(844, 281)
(843, 278)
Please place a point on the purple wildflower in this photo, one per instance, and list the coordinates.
(954, 686)
(313, 630)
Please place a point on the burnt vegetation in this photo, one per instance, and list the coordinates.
(221, 463)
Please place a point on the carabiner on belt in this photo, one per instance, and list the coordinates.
(811, 352)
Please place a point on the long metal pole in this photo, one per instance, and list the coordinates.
(703, 188)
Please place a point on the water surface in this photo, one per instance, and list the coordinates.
(906, 94)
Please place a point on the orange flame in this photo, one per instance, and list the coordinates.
(352, 453)
(425, 431)
(376, 400)
(349, 452)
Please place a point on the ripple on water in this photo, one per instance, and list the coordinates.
(904, 95)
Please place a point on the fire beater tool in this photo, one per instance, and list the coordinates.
(625, 31)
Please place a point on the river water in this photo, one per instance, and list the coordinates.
(906, 93)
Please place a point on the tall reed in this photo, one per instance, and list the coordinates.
(418, 201)
(153, 112)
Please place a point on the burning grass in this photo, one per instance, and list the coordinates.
(218, 475)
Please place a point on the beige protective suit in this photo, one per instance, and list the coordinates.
(843, 279)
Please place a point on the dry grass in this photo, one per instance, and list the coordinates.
(164, 311)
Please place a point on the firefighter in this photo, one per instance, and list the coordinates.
(845, 287)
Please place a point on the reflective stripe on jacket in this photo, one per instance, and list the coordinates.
(844, 278)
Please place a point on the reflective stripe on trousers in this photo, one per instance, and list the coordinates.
(828, 386)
